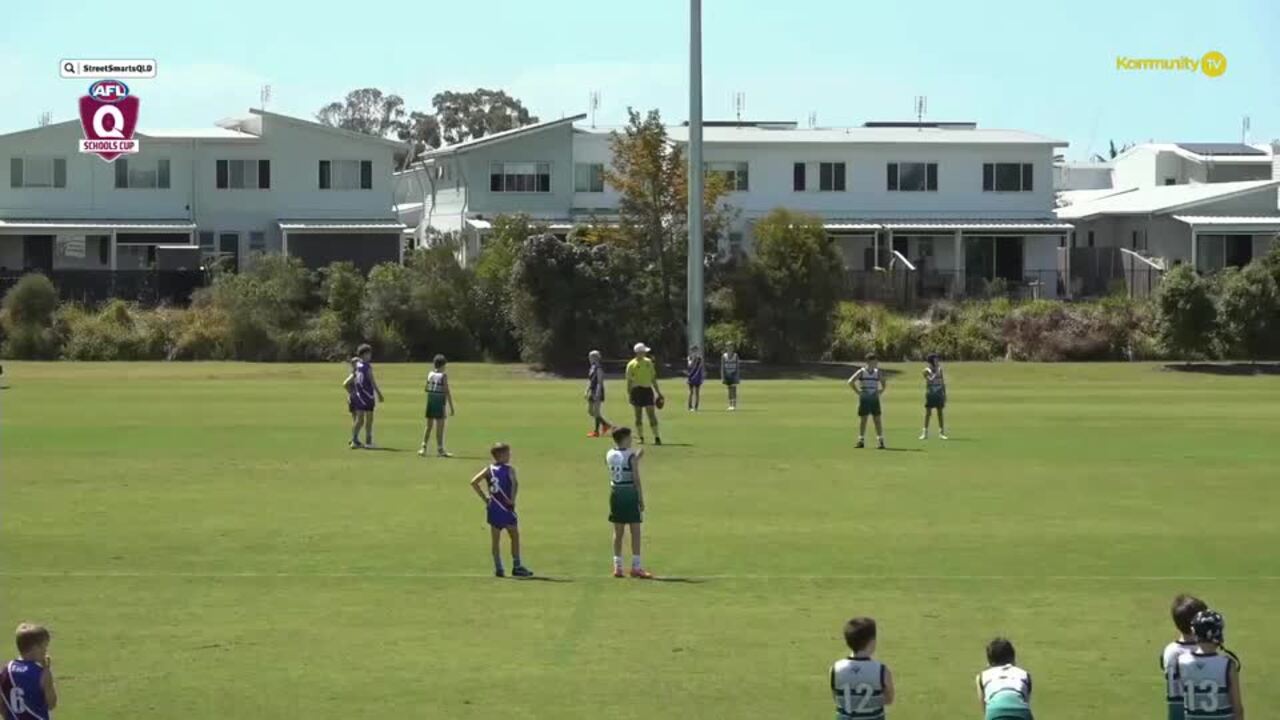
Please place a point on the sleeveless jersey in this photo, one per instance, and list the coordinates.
(869, 383)
(936, 380)
(436, 382)
(500, 485)
(729, 364)
(1169, 665)
(857, 685)
(1003, 679)
(21, 695)
(364, 381)
(696, 370)
(1205, 682)
(621, 473)
(595, 383)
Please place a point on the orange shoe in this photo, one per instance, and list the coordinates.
(641, 574)
(607, 428)
(617, 571)
(593, 434)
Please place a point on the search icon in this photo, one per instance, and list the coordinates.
(68, 68)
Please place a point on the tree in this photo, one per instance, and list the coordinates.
(1249, 307)
(793, 283)
(492, 289)
(469, 115)
(1186, 319)
(421, 130)
(368, 111)
(649, 173)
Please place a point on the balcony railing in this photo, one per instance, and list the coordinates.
(148, 287)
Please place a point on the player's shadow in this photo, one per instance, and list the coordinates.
(901, 449)
(543, 578)
(677, 445)
(383, 449)
(682, 580)
(460, 457)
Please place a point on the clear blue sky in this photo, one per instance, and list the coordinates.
(1042, 65)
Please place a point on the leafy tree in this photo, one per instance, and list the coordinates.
(492, 290)
(368, 111)
(650, 175)
(28, 318)
(421, 130)
(1249, 307)
(1186, 318)
(343, 289)
(792, 288)
(469, 115)
(439, 304)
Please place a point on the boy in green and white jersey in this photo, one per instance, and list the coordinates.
(439, 395)
(1004, 688)
(935, 395)
(868, 381)
(626, 500)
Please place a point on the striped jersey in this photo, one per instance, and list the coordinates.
(870, 383)
(437, 382)
(621, 462)
(729, 364)
(857, 686)
(1169, 666)
(595, 383)
(1205, 682)
(1002, 679)
(21, 691)
(935, 379)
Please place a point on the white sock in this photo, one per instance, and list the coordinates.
(635, 562)
(617, 561)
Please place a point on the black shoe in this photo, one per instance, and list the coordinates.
(498, 573)
(880, 445)
(657, 441)
(521, 571)
(860, 444)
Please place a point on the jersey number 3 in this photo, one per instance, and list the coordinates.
(1202, 696)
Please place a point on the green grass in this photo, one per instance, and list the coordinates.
(205, 547)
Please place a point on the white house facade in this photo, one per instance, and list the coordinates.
(957, 206)
(258, 184)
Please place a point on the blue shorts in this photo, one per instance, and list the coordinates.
(359, 404)
(501, 516)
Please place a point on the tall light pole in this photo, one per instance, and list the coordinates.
(695, 176)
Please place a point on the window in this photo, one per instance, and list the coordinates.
(912, 177)
(243, 174)
(526, 177)
(346, 175)
(588, 177)
(797, 177)
(147, 174)
(257, 242)
(207, 242)
(831, 177)
(1006, 177)
(734, 173)
(37, 172)
(1171, 181)
(735, 242)
(1090, 238)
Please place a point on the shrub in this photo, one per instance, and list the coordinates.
(1249, 310)
(203, 333)
(862, 329)
(723, 335)
(388, 342)
(116, 332)
(440, 311)
(343, 288)
(1186, 319)
(31, 301)
(491, 292)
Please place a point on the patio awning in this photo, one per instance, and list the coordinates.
(850, 226)
(342, 226)
(479, 224)
(133, 226)
(1248, 224)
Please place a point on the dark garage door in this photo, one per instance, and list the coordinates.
(319, 250)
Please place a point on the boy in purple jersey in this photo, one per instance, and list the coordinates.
(365, 395)
(497, 486)
(26, 683)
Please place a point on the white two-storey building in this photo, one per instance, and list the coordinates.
(953, 207)
(259, 184)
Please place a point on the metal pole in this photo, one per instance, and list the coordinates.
(695, 176)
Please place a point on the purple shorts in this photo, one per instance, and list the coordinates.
(501, 516)
(359, 404)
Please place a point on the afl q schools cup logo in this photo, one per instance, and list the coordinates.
(109, 117)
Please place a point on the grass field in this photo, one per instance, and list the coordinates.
(205, 547)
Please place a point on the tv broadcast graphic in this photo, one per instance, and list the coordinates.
(342, 352)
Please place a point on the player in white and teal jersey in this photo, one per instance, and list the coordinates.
(868, 381)
(1004, 688)
(626, 500)
(935, 395)
(730, 375)
(1209, 677)
(439, 395)
(1184, 610)
(861, 686)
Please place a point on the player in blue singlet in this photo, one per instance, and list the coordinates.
(365, 395)
(497, 486)
(696, 374)
(26, 683)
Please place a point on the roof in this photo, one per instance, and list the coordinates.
(1260, 222)
(210, 133)
(1221, 149)
(502, 136)
(951, 225)
(1160, 199)
(327, 225)
(330, 129)
(866, 135)
(175, 225)
(1206, 152)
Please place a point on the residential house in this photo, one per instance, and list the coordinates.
(263, 183)
(942, 207)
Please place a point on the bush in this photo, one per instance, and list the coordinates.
(31, 301)
(491, 292)
(343, 288)
(116, 332)
(440, 312)
(862, 329)
(724, 335)
(203, 333)
(1186, 319)
(1249, 310)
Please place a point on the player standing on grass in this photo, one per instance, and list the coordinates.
(26, 683)
(862, 686)
(1209, 679)
(870, 384)
(935, 395)
(439, 394)
(497, 487)
(595, 395)
(696, 374)
(730, 376)
(626, 500)
(643, 391)
(1185, 609)
(365, 397)
(1004, 688)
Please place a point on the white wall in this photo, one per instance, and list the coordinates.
(1136, 168)
(553, 145)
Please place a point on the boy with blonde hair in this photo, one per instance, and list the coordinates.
(27, 691)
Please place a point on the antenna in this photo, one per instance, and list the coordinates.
(813, 119)
(594, 103)
(1244, 130)
(922, 107)
(739, 104)
(264, 96)
(46, 118)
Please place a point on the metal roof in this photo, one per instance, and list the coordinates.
(356, 226)
(501, 136)
(1220, 148)
(210, 133)
(1271, 222)
(950, 225)
(866, 135)
(1160, 199)
(90, 224)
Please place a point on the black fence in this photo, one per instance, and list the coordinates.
(1096, 272)
(910, 289)
(147, 287)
